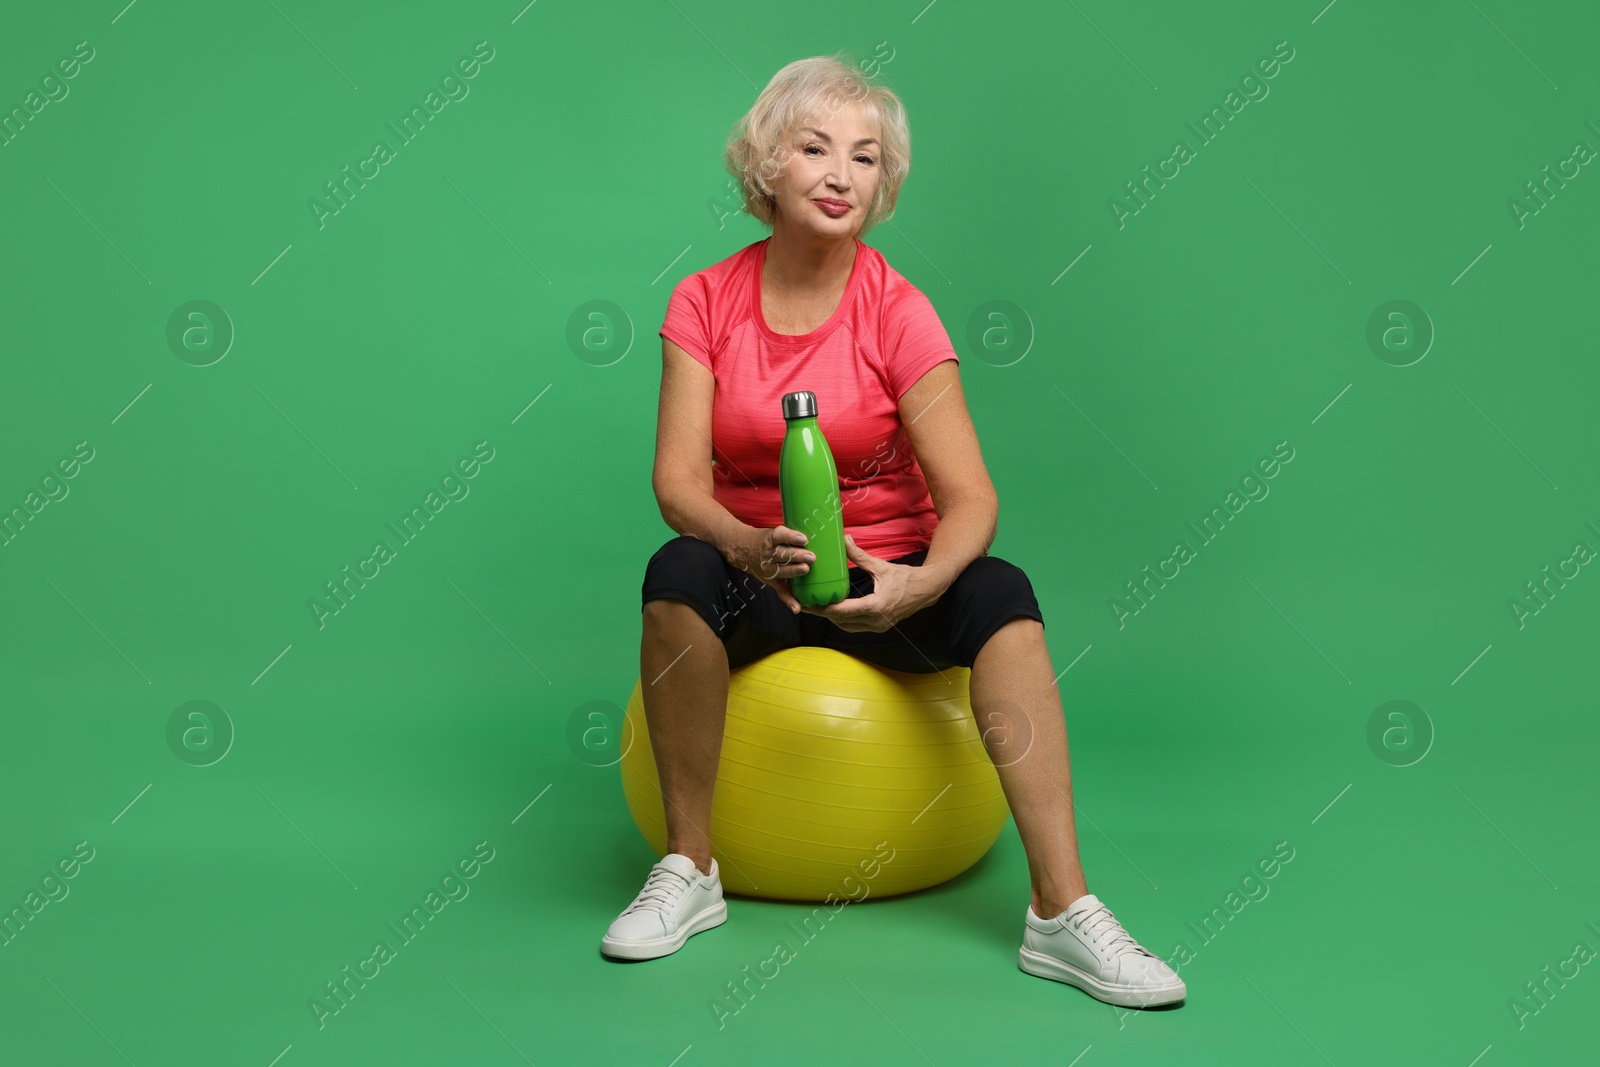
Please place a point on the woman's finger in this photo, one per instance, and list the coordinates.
(789, 599)
(860, 556)
(782, 565)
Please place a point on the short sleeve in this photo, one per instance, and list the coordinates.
(914, 340)
(687, 322)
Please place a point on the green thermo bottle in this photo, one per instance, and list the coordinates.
(808, 482)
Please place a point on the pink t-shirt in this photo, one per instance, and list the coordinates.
(884, 336)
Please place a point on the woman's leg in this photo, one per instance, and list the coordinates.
(1015, 702)
(702, 617)
(1018, 709)
(683, 671)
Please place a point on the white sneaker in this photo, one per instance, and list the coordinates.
(1085, 946)
(676, 901)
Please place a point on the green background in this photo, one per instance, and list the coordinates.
(434, 312)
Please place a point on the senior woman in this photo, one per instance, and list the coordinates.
(821, 157)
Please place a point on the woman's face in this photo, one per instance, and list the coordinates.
(829, 173)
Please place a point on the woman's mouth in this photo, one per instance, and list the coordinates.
(834, 208)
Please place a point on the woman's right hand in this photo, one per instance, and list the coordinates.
(774, 556)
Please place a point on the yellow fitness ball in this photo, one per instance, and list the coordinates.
(836, 774)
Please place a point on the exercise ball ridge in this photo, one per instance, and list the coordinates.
(835, 774)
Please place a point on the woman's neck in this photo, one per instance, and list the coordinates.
(805, 264)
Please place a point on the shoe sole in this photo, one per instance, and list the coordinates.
(715, 915)
(1037, 963)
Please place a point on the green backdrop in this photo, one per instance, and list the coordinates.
(1378, 261)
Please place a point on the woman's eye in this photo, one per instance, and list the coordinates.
(868, 160)
(809, 147)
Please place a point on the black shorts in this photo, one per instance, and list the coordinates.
(752, 620)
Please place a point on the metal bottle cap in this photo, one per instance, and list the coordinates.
(801, 405)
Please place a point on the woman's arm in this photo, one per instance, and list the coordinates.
(684, 487)
(934, 412)
(941, 436)
(682, 474)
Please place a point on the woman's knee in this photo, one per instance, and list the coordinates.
(670, 618)
(688, 570)
(685, 547)
(685, 562)
(989, 595)
(994, 580)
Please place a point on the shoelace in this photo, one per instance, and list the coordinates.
(1100, 921)
(661, 890)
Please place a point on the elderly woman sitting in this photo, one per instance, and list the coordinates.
(821, 157)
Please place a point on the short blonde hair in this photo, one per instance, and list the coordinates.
(812, 90)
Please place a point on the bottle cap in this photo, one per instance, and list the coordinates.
(801, 405)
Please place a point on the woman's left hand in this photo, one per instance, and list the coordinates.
(898, 592)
